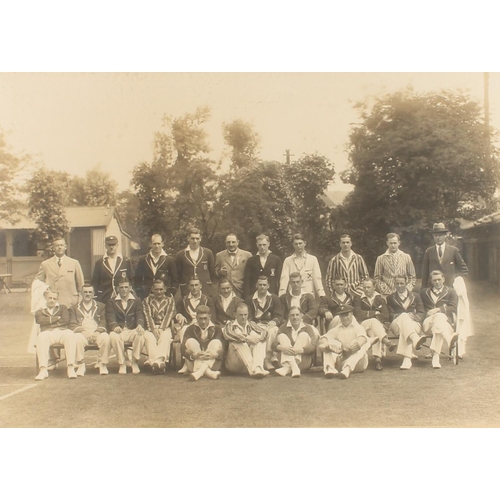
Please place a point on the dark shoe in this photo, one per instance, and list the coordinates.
(155, 367)
(420, 342)
(163, 367)
(378, 364)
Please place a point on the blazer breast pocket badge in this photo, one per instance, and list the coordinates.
(273, 271)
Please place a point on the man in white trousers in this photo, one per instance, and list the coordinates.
(406, 313)
(345, 347)
(247, 345)
(159, 311)
(53, 320)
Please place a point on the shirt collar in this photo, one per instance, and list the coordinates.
(397, 252)
(256, 295)
(295, 256)
(289, 325)
(189, 296)
(115, 257)
(364, 296)
(130, 296)
(155, 258)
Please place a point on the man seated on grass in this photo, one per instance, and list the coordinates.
(329, 306)
(247, 345)
(440, 304)
(125, 320)
(370, 310)
(87, 319)
(159, 310)
(203, 346)
(406, 313)
(54, 329)
(296, 344)
(345, 347)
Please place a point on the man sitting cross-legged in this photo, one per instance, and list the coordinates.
(203, 346)
(159, 310)
(87, 319)
(54, 329)
(440, 304)
(247, 345)
(345, 347)
(296, 343)
(372, 314)
(406, 313)
(125, 320)
(329, 306)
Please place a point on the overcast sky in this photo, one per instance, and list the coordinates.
(74, 121)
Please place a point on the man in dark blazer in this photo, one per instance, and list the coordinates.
(406, 313)
(296, 297)
(156, 265)
(329, 306)
(226, 303)
(370, 310)
(442, 257)
(125, 320)
(195, 261)
(264, 263)
(440, 304)
(109, 270)
(63, 274)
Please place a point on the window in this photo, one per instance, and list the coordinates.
(24, 244)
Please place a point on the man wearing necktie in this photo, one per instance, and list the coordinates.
(231, 263)
(442, 257)
(63, 274)
(109, 270)
(440, 304)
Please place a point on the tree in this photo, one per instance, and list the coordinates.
(416, 159)
(243, 140)
(46, 205)
(10, 168)
(96, 189)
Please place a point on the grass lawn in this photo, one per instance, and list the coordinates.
(466, 395)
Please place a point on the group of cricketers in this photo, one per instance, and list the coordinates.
(241, 313)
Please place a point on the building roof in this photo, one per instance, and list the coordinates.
(493, 218)
(77, 217)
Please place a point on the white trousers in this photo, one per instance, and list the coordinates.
(357, 362)
(404, 326)
(49, 337)
(103, 342)
(245, 358)
(118, 341)
(303, 340)
(374, 328)
(163, 345)
(440, 328)
(214, 346)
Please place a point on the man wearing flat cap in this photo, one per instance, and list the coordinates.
(442, 257)
(109, 270)
(345, 347)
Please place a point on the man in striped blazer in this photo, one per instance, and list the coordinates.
(159, 311)
(393, 263)
(348, 265)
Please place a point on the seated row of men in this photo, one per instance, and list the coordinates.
(265, 333)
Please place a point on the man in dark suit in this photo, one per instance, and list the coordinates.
(125, 319)
(329, 306)
(63, 274)
(440, 304)
(442, 257)
(156, 265)
(264, 263)
(109, 270)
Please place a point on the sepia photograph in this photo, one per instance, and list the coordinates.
(249, 250)
(219, 243)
